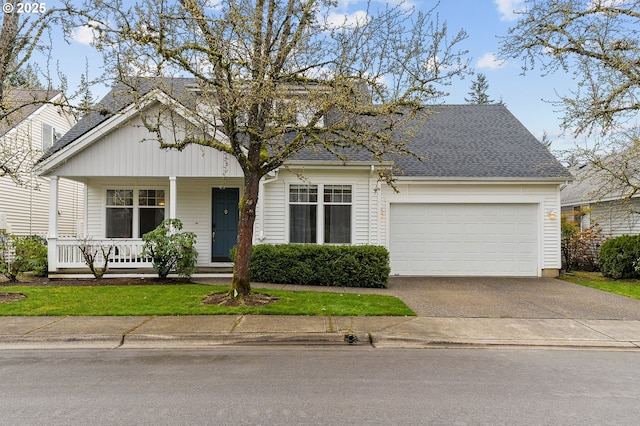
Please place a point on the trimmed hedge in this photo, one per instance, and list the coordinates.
(312, 264)
(619, 257)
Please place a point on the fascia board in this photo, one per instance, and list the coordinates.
(575, 202)
(333, 164)
(480, 180)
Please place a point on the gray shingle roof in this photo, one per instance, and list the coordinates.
(458, 141)
(27, 101)
(473, 141)
(479, 141)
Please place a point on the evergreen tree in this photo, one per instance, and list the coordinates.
(25, 78)
(86, 100)
(478, 94)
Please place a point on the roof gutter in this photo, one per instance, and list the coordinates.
(482, 180)
(334, 164)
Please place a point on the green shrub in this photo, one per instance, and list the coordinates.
(312, 264)
(29, 255)
(619, 257)
(171, 250)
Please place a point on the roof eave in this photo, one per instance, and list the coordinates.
(472, 179)
(325, 164)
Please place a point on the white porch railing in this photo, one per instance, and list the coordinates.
(126, 253)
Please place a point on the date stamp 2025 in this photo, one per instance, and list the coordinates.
(28, 7)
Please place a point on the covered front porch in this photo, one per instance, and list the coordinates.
(118, 211)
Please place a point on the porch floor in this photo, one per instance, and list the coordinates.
(223, 271)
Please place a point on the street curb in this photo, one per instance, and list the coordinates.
(208, 340)
(230, 339)
(62, 341)
(393, 341)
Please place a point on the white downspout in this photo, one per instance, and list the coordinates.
(52, 240)
(370, 202)
(173, 197)
(263, 182)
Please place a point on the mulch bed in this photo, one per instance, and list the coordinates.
(223, 299)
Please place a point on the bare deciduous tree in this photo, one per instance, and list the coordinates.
(21, 35)
(276, 77)
(597, 41)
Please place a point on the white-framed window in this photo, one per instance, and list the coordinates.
(303, 213)
(337, 214)
(324, 219)
(131, 213)
(49, 136)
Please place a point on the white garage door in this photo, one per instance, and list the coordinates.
(464, 239)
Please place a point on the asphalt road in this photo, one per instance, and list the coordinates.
(328, 386)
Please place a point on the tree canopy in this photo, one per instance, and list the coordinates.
(595, 40)
(276, 77)
(20, 37)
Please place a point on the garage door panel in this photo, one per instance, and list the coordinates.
(464, 239)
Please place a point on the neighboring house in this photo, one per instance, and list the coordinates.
(594, 198)
(486, 200)
(24, 136)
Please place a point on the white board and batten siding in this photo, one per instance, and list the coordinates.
(128, 153)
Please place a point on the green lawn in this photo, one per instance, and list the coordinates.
(629, 288)
(187, 300)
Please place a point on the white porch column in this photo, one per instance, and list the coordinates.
(52, 240)
(173, 197)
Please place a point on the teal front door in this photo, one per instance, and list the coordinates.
(224, 222)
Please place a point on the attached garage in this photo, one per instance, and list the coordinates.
(464, 239)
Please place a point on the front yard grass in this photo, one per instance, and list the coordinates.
(629, 288)
(187, 299)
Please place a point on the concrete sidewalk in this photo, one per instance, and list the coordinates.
(450, 312)
(380, 332)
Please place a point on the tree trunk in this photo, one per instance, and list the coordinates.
(241, 284)
(8, 36)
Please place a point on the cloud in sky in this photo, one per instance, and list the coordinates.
(83, 34)
(336, 20)
(403, 3)
(506, 9)
(489, 61)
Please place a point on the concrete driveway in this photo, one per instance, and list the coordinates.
(480, 297)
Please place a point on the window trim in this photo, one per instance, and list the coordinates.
(135, 217)
(320, 216)
(49, 136)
